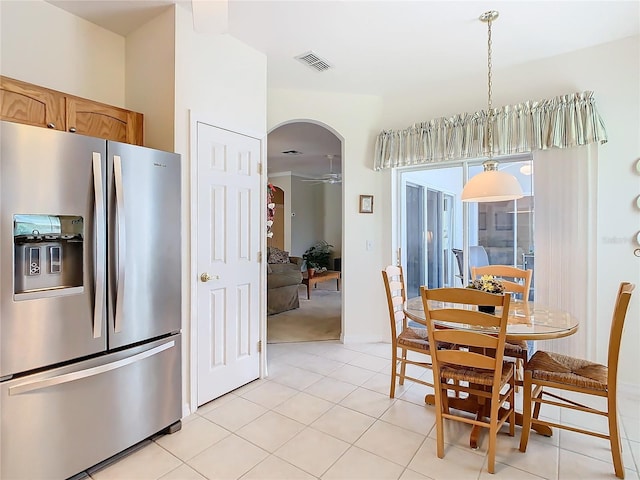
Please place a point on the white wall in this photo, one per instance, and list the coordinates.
(226, 80)
(612, 71)
(216, 76)
(332, 217)
(44, 45)
(220, 76)
(356, 120)
(150, 73)
(222, 81)
(305, 210)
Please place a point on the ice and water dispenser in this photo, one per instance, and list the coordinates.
(48, 255)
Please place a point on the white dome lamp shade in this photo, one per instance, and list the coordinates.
(491, 185)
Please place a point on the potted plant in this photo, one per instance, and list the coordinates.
(317, 257)
(490, 284)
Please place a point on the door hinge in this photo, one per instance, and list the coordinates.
(259, 346)
(259, 168)
(259, 257)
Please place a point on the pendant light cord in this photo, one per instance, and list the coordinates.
(489, 84)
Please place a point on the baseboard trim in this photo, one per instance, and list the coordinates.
(350, 339)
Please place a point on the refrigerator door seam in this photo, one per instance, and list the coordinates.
(89, 372)
(122, 253)
(100, 246)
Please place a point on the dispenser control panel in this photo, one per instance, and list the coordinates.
(48, 254)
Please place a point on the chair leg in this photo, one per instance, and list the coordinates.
(536, 406)
(394, 371)
(512, 406)
(614, 436)
(526, 413)
(403, 366)
(439, 421)
(445, 398)
(493, 437)
(519, 372)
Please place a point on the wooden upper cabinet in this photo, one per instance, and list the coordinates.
(104, 121)
(22, 102)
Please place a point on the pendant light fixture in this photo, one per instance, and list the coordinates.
(491, 185)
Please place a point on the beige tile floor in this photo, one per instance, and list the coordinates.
(325, 413)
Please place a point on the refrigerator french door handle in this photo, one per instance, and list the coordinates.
(100, 266)
(89, 372)
(122, 252)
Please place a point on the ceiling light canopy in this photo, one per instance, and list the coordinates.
(491, 185)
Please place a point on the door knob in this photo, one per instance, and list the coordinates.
(205, 277)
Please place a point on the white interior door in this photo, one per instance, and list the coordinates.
(228, 245)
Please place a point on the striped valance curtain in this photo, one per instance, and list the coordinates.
(565, 121)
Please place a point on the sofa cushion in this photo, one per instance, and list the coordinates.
(284, 274)
(275, 255)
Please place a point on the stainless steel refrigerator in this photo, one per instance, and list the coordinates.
(90, 360)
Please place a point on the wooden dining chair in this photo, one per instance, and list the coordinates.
(518, 281)
(404, 338)
(562, 372)
(514, 279)
(470, 359)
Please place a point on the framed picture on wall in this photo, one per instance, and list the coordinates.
(366, 203)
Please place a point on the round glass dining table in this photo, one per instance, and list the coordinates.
(527, 320)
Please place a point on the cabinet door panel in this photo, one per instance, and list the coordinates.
(24, 103)
(103, 121)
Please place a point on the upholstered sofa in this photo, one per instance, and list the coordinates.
(283, 279)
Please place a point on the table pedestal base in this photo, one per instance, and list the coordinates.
(471, 405)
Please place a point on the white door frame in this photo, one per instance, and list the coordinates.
(191, 371)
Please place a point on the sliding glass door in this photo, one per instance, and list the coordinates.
(430, 215)
(436, 223)
(415, 264)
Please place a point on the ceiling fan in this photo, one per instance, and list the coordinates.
(330, 177)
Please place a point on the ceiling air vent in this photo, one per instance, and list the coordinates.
(314, 61)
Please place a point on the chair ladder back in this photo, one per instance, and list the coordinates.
(462, 337)
(508, 275)
(491, 345)
(617, 325)
(470, 360)
(466, 358)
(465, 296)
(453, 315)
(394, 287)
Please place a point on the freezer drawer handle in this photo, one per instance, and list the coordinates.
(122, 253)
(89, 372)
(98, 305)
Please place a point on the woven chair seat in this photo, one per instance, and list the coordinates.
(516, 349)
(415, 338)
(476, 375)
(553, 367)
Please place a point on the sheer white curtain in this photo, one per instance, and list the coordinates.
(565, 230)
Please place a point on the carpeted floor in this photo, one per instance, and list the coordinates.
(316, 319)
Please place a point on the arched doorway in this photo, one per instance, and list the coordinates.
(304, 161)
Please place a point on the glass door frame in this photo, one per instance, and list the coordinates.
(398, 212)
(398, 198)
